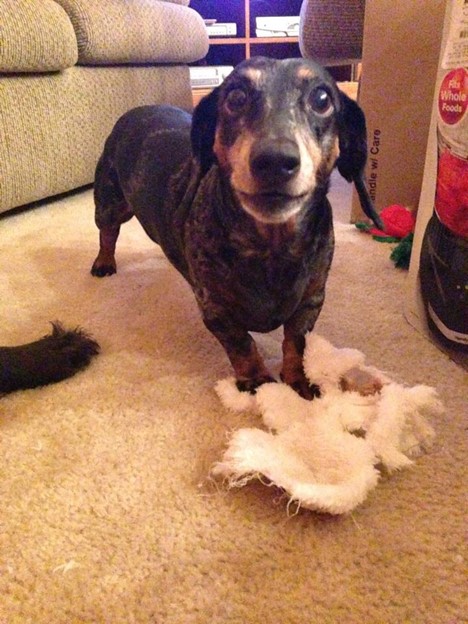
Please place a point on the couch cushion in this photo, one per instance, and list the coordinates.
(35, 36)
(142, 31)
(53, 126)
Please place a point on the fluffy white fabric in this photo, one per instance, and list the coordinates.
(310, 448)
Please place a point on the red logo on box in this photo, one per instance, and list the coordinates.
(453, 96)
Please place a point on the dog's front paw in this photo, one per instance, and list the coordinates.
(306, 390)
(102, 269)
(301, 385)
(251, 385)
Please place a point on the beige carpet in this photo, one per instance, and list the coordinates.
(107, 515)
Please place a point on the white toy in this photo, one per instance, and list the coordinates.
(310, 448)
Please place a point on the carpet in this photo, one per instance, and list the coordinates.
(108, 514)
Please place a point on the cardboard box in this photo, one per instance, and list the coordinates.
(400, 53)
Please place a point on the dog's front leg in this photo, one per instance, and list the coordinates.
(295, 330)
(292, 371)
(248, 365)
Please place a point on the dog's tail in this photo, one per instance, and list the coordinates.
(52, 358)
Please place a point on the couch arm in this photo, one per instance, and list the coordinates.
(35, 36)
(113, 32)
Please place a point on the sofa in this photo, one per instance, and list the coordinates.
(69, 69)
(331, 31)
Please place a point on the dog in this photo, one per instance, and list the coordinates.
(236, 196)
(54, 357)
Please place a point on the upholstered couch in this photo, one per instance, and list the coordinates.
(69, 69)
(331, 31)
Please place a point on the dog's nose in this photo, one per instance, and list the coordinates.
(275, 161)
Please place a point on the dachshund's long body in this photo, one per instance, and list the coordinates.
(236, 197)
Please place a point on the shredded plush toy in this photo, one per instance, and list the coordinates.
(324, 452)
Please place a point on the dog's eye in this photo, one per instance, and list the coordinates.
(321, 102)
(236, 101)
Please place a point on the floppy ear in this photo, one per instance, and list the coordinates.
(353, 153)
(203, 130)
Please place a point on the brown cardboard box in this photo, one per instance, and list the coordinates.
(400, 53)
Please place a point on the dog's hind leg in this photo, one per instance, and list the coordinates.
(111, 211)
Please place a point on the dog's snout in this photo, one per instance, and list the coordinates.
(276, 160)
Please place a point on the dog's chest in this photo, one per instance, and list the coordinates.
(258, 280)
(273, 265)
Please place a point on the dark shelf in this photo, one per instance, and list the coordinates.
(232, 50)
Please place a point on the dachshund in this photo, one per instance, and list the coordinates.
(236, 196)
(52, 358)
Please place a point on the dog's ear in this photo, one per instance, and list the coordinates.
(353, 152)
(203, 130)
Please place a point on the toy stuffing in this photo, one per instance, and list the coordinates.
(324, 453)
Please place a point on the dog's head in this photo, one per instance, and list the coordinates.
(277, 129)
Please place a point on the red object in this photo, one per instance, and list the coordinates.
(398, 222)
(451, 201)
(452, 96)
